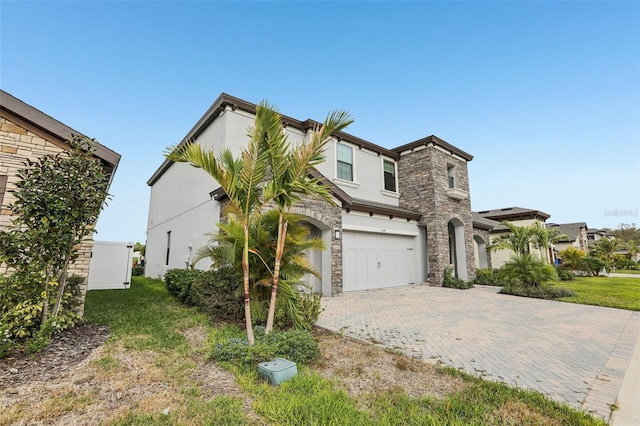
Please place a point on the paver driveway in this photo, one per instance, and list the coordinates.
(575, 354)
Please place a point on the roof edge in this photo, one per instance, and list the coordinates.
(436, 141)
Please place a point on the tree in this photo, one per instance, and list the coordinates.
(241, 179)
(527, 270)
(605, 249)
(544, 238)
(291, 181)
(225, 249)
(58, 200)
(518, 240)
(571, 257)
(626, 232)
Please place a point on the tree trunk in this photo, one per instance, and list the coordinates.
(245, 279)
(282, 235)
(45, 302)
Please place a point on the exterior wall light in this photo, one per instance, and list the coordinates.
(337, 233)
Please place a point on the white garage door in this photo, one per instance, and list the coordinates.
(377, 260)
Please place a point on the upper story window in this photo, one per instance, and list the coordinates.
(451, 176)
(3, 186)
(345, 162)
(389, 176)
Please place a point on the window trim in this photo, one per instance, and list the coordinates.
(452, 181)
(353, 162)
(395, 175)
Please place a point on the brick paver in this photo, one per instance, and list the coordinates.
(576, 354)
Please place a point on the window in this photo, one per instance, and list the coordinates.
(168, 247)
(389, 176)
(3, 186)
(451, 176)
(345, 162)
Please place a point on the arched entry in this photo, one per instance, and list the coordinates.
(457, 250)
(480, 252)
(320, 226)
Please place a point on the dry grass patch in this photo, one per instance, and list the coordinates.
(515, 412)
(361, 368)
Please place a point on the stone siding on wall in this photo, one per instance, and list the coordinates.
(18, 144)
(423, 183)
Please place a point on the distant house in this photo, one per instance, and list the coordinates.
(575, 235)
(517, 216)
(27, 133)
(401, 215)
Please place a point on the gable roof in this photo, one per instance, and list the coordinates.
(434, 140)
(49, 128)
(225, 100)
(570, 230)
(513, 213)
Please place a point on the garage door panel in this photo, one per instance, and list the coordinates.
(377, 260)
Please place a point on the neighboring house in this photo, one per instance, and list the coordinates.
(575, 235)
(517, 216)
(27, 133)
(401, 216)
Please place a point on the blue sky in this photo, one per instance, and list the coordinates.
(545, 95)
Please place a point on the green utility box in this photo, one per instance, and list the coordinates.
(277, 370)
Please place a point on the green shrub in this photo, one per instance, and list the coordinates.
(137, 271)
(452, 282)
(487, 277)
(591, 265)
(527, 270)
(538, 292)
(179, 281)
(565, 275)
(298, 346)
(310, 308)
(217, 293)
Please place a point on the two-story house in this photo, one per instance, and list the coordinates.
(517, 216)
(401, 216)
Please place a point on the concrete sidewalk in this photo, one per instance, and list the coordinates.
(576, 354)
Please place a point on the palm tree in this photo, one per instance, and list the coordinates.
(528, 270)
(544, 238)
(226, 246)
(605, 249)
(571, 257)
(517, 240)
(241, 179)
(291, 180)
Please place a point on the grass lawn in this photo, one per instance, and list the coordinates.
(149, 325)
(627, 271)
(614, 292)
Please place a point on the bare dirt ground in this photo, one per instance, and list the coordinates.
(78, 380)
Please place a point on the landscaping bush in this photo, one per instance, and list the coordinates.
(298, 346)
(137, 271)
(487, 277)
(179, 281)
(452, 282)
(538, 292)
(217, 293)
(565, 275)
(591, 265)
(527, 270)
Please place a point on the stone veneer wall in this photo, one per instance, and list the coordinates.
(16, 145)
(423, 182)
(325, 217)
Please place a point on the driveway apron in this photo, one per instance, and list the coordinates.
(576, 354)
